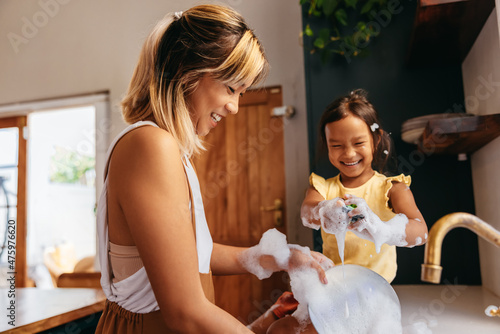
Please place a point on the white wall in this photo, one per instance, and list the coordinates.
(481, 76)
(55, 48)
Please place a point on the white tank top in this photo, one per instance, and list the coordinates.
(134, 293)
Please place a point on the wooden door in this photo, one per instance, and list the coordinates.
(241, 175)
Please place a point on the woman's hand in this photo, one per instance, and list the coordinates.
(302, 257)
(274, 254)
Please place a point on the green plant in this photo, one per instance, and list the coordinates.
(346, 26)
(67, 166)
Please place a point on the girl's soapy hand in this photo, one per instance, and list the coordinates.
(371, 227)
(332, 215)
(363, 221)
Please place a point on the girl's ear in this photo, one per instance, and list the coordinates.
(380, 136)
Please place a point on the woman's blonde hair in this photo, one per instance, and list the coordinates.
(181, 49)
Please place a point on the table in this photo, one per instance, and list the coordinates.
(41, 309)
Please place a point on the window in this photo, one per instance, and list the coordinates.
(67, 141)
(61, 189)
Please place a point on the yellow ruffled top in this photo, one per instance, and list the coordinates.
(359, 251)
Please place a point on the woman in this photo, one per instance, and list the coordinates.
(156, 252)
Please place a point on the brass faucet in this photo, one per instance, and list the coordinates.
(431, 268)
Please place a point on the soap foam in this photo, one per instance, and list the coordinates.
(272, 243)
(335, 220)
(367, 304)
(355, 300)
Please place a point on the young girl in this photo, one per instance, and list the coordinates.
(378, 212)
(385, 213)
(156, 253)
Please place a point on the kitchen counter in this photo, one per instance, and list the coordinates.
(448, 309)
(35, 310)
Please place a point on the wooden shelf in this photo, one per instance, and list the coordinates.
(445, 30)
(459, 135)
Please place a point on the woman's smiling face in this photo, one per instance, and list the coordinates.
(211, 101)
(350, 149)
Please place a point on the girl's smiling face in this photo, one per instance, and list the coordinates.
(350, 150)
(211, 101)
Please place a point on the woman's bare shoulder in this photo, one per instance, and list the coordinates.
(146, 152)
(147, 138)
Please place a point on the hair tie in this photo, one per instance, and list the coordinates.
(374, 127)
(177, 15)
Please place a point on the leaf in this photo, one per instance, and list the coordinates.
(351, 3)
(303, 2)
(367, 7)
(329, 6)
(325, 55)
(361, 26)
(341, 16)
(373, 31)
(319, 3)
(324, 34)
(319, 43)
(308, 31)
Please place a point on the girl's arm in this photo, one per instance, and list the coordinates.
(150, 187)
(311, 201)
(402, 201)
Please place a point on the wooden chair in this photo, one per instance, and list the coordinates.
(79, 280)
(67, 272)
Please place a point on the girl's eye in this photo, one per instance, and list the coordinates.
(360, 143)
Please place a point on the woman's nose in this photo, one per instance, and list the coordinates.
(232, 107)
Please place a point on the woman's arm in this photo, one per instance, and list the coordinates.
(148, 178)
(225, 261)
(402, 201)
(311, 201)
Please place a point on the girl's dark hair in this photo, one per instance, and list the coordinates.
(356, 104)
